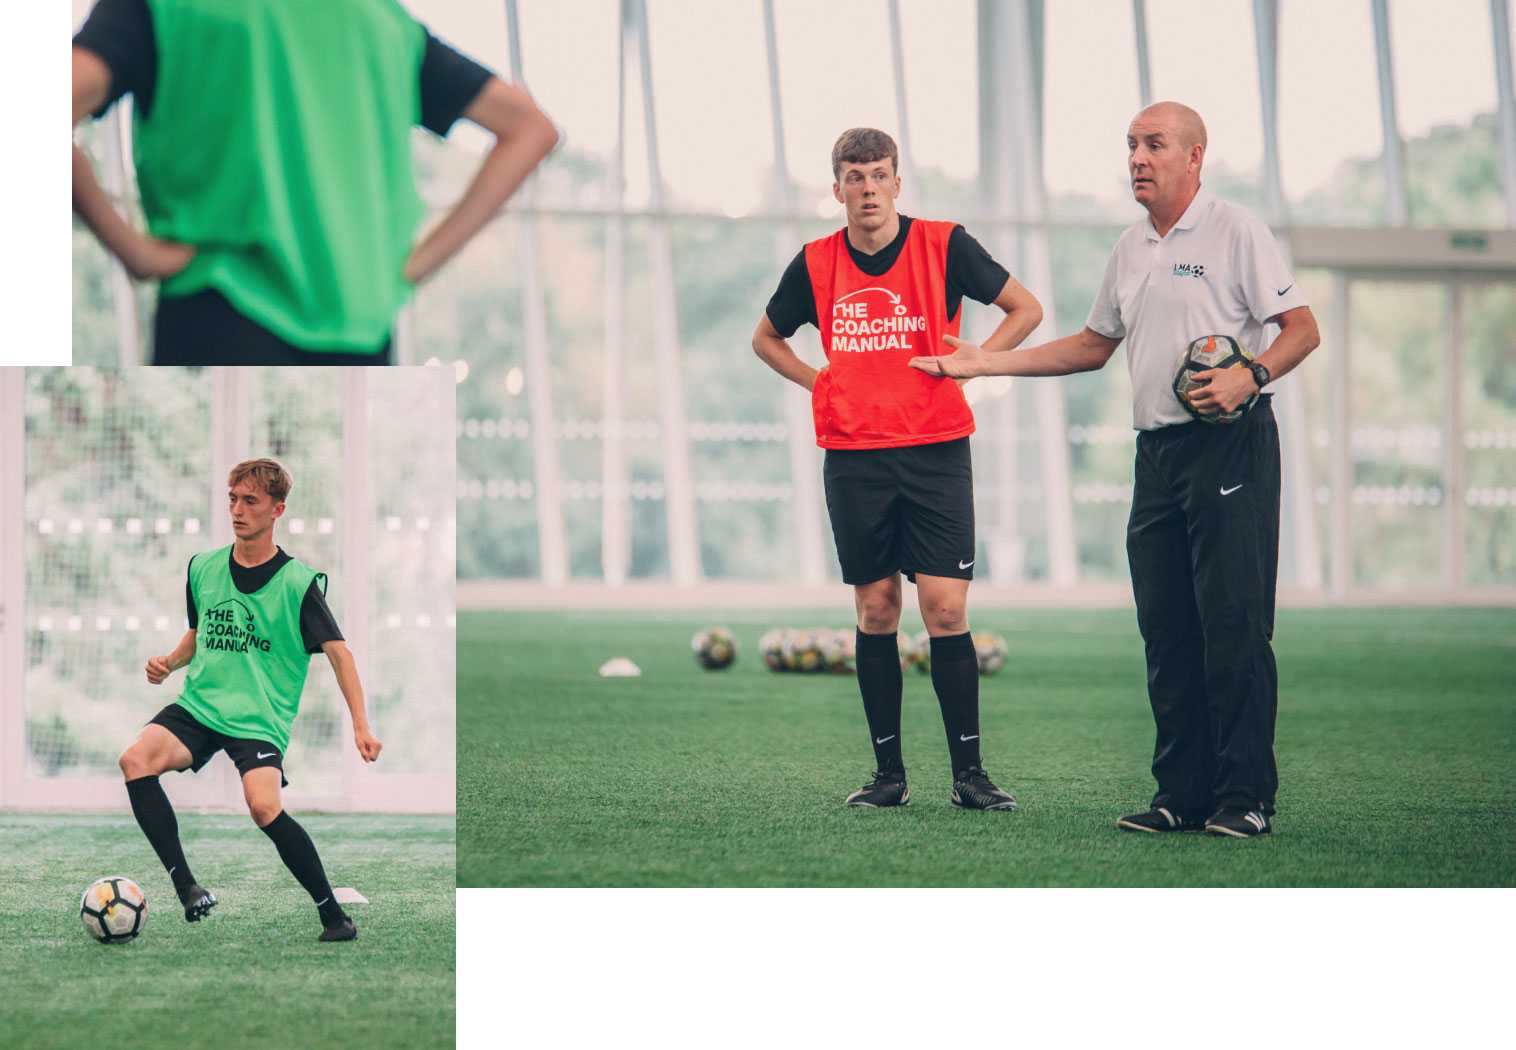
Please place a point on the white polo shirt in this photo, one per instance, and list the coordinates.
(1219, 271)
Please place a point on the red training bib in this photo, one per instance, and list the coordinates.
(867, 396)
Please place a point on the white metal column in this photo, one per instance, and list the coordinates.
(805, 462)
(902, 112)
(231, 429)
(1500, 24)
(356, 537)
(1011, 27)
(552, 545)
(678, 484)
(999, 194)
(1452, 438)
(1297, 495)
(1342, 436)
(12, 585)
(1144, 67)
(1394, 149)
(615, 534)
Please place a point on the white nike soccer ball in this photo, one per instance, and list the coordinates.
(839, 650)
(113, 909)
(921, 652)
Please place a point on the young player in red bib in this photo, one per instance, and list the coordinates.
(899, 483)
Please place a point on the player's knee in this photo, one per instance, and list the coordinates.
(263, 812)
(134, 764)
(879, 616)
(948, 617)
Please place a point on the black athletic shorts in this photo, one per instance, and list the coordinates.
(907, 510)
(205, 329)
(203, 743)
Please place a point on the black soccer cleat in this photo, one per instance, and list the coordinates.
(197, 900)
(343, 931)
(886, 789)
(1157, 819)
(972, 789)
(1238, 823)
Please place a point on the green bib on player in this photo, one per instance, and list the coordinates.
(250, 663)
(278, 144)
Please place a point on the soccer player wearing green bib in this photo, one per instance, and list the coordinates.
(273, 158)
(256, 615)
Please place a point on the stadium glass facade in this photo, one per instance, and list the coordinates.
(614, 426)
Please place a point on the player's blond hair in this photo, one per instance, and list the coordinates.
(267, 474)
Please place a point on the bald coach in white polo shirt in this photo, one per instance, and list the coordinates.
(1203, 538)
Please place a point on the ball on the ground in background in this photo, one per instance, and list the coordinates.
(907, 649)
(771, 649)
(839, 651)
(714, 648)
(1207, 352)
(921, 648)
(113, 909)
(805, 651)
(991, 651)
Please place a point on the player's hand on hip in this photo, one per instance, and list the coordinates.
(1221, 390)
(965, 362)
(157, 669)
(368, 744)
(151, 259)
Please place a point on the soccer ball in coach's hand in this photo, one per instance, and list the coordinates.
(714, 648)
(1203, 354)
(113, 909)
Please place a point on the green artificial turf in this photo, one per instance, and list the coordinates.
(252, 973)
(1397, 731)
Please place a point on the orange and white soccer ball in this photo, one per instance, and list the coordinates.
(113, 909)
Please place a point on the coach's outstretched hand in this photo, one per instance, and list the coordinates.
(368, 744)
(965, 362)
(157, 669)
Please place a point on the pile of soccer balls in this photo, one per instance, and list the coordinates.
(826, 649)
(113, 909)
(714, 648)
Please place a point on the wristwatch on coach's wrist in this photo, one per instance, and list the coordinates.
(1260, 374)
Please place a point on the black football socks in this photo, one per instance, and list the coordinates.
(155, 816)
(955, 677)
(299, 855)
(878, 659)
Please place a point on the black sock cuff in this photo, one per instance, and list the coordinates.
(880, 645)
(951, 646)
(142, 780)
(276, 826)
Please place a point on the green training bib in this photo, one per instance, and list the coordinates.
(250, 663)
(278, 144)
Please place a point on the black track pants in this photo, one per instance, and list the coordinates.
(1203, 543)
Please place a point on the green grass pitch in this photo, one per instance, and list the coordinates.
(1396, 734)
(252, 973)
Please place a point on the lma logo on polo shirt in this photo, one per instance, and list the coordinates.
(1189, 270)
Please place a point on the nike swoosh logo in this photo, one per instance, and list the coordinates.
(964, 564)
(965, 739)
(321, 902)
(271, 754)
(1285, 288)
(886, 740)
(1228, 492)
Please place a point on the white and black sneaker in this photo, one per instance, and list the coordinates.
(973, 789)
(888, 788)
(1238, 823)
(1157, 819)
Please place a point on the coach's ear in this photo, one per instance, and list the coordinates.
(278, 510)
